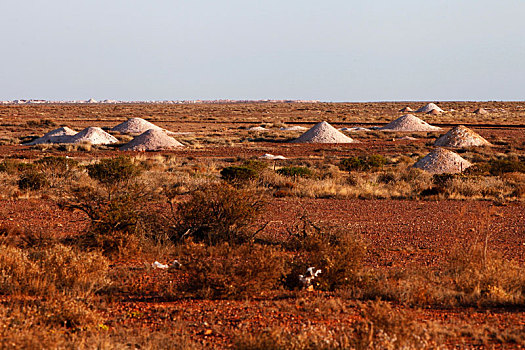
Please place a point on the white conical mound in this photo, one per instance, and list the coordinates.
(409, 122)
(59, 135)
(461, 136)
(406, 109)
(441, 161)
(324, 133)
(135, 126)
(151, 140)
(93, 135)
(428, 108)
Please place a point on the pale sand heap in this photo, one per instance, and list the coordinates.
(434, 112)
(93, 135)
(441, 161)
(151, 140)
(294, 128)
(135, 126)
(428, 108)
(323, 133)
(409, 122)
(481, 111)
(461, 136)
(59, 135)
(271, 157)
(406, 109)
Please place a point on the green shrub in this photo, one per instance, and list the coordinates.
(295, 171)
(113, 171)
(238, 174)
(217, 213)
(363, 163)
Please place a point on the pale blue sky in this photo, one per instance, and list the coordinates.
(331, 50)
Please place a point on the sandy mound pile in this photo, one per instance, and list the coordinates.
(151, 140)
(59, 135)
(481, 111)
(409, 122)
(93, 135)
(406, 109)
(441, 161)
(434, 112)
(135, 126)
(461, 136)
(257, 128)
(294, 128)
(428, 108)
(323, 133)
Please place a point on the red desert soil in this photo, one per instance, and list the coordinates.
(397, 231)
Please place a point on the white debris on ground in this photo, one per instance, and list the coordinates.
(324, 133)
(257, 128)
(309, 276)
(158, 265)
(441, 161)
(151, 140)
(271, 157)
(355, 129)
(293, 128)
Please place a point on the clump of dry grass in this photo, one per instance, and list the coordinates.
(51, 271)
(381, 327)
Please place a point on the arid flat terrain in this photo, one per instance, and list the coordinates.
(442, 256)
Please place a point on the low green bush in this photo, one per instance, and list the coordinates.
(295, 171)
(363, 163)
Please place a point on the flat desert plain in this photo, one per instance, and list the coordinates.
(212, 245)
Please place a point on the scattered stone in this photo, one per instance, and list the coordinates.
(151, 140)
(293, 128)
(441, 161)
(409, 122)
(481, 111)
(461, 136)
(324, 133)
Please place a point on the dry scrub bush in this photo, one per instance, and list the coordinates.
(51, 271)
(225, 271)
(481, 277)
(337, 253)
(381, 327)
(217, 213)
